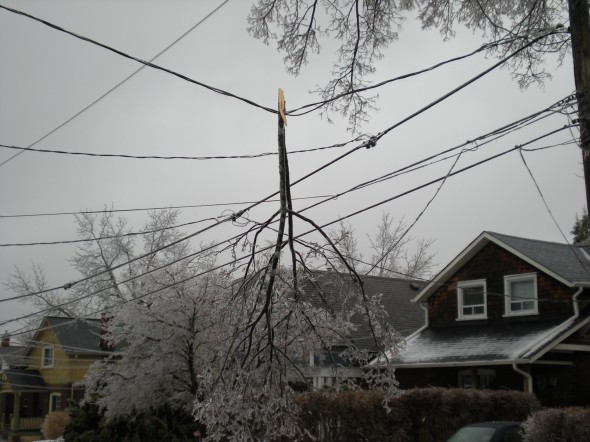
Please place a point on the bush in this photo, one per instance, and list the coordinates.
(558, 425)
(54, 424)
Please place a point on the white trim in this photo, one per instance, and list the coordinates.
(51, 396)
(469, 363)
(461, 316)
(572, 347)
(508, 301)
(471, 250)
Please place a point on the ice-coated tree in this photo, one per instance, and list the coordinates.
(394, 253)
(364, 28)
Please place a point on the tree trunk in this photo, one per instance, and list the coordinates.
(580, 33)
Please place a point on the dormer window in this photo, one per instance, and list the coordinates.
(471, 299)
(521, 294)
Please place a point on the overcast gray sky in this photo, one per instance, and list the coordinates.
(47, 76)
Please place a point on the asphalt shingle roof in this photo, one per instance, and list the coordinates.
(405, 316)
(477, 342)
(571, 262)
(24, 380)
(77, 335)
(14, 356)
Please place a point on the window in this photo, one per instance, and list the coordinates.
(47, 357)
(55, 402)
(471, 299)
(484, 378)
(521, 294)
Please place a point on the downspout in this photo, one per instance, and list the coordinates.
(525, 375)
(575, 301)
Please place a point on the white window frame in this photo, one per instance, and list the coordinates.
(469, 284)
(51, 407)
(508, 279)
(43, 364)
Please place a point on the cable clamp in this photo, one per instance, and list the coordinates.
(372, 142)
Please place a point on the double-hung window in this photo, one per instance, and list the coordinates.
(47, 357)
(471, 299)
(521, 294)
(55, 402)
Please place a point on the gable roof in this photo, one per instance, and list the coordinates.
(403, 315)
(75, 335)
(569, 264)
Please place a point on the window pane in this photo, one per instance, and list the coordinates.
(522, 290)
(473, 296)
(47, 357)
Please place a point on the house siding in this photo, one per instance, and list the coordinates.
(492, 263)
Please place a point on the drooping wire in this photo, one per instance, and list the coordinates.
(117, 85)
(144, 62)
(163, 157)
(263, 249)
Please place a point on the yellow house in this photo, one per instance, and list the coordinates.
(56, 360)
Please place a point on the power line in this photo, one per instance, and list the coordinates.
(139, 60)
(367, 144)
(162, 157)
(236, 260)
(465, 84)
(117, 85)
(311, 107)
(101, 238)
(192, 206)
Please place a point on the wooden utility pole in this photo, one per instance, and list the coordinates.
(580, 34)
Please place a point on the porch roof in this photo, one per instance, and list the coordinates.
(22, 380)
(484, 343)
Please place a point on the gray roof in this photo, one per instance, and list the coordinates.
(571, 262)
(24, 380)
(403, 315)
(77, 335)
(13, 356)
(485, 343)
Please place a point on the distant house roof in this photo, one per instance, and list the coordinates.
(23, 380)
(485, 344)
(569, 264)
(76, 335)
(403, 315)
(13, 356)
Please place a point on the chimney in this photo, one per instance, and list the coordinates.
(6, 339)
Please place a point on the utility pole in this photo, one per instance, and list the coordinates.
(580, 34)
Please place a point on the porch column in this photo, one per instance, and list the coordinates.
(2, 409)
(16, 413)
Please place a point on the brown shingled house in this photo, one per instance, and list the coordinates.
(507, 312)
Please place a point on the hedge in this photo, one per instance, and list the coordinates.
(420, 415)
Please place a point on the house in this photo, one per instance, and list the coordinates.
(11, 356)
(510, 313)
(56, 359)
(328, 368)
